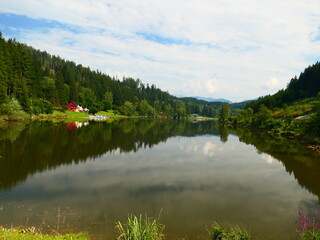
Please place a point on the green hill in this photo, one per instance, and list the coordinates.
(306, 86)
(41, 83)
(294, 111)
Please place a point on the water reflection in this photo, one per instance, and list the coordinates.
(223, 131)
(297, 159)
(27, 148)
(196, 173)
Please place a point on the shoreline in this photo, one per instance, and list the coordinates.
(308, 142)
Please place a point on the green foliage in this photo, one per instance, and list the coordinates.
(276, 125)
(108, 97)
(262, 116)
(145, 109)
(142, 228)
(284, 120)
(308, 228)
(306, 86)
(31, 234)
(36, 79)
(224, 113)
(245, 117)
(47, 86)
(3, 92)
(128, 109)
(217, 232)
(12, 109)
(88, 99)
(38, 106)
(312, 125)
(310, 235)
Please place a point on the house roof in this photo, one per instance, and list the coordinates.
(72, 104)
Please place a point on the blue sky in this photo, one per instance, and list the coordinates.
(230, 49)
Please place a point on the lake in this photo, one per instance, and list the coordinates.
(86, 176)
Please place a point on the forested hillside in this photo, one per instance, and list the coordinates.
(293, 111)
(306, 86)
(38, 82)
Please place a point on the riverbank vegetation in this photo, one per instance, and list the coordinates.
(218, 232)
(293, 112)
(142, 228)
(135, 228)
(308, 228)
(146, 228)
(33, 234)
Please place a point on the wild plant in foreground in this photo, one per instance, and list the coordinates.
(217, 232)
(308, 228)
(142, 228)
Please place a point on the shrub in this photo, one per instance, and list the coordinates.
(308, 228)
(38, 106)
(275, 125)
(12, 109)
(217, 232)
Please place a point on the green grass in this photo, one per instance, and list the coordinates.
(65, 114)
(109, 113)
(31, 234)
(298, 108)
(71, 114)
(310, 235)
(217, 232)
(142, 228)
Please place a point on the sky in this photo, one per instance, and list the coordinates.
(232, 49)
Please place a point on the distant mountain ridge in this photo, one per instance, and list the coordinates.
(207, 99)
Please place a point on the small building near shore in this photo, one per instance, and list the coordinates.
(72, 106)
(76, 108)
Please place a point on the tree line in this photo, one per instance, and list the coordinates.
(307, 85)
(293, 111)
(36, 82)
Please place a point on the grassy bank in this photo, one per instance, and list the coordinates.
(146, 228)
(32, 234)
(300, 120)
(109, 113)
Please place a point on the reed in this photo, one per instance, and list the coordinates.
(142, 228)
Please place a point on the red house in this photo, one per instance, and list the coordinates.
(72, 106)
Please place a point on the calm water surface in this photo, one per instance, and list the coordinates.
(86, 176)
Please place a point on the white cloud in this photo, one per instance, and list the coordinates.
(232, 49)
(267, 158)
(274, 83)
(209, 149)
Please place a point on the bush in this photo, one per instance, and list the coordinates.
(38, 106)
(312, 124)
(275, 125)
(217, 232)
(12, 109)
(128, 109)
